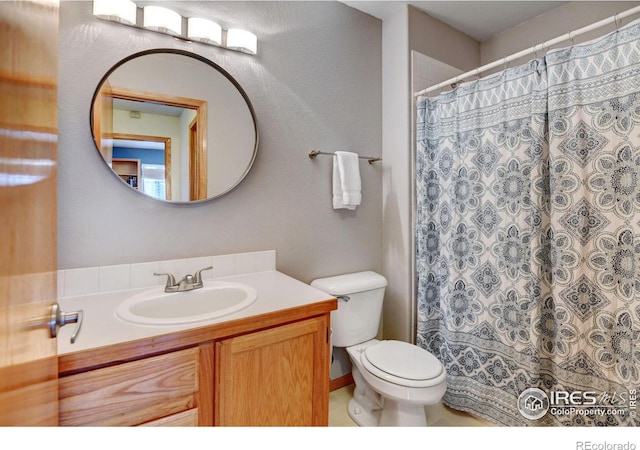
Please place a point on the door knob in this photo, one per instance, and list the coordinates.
(59, 318)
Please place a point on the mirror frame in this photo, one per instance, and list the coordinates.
(214, 66)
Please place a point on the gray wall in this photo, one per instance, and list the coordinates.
(315, 84)
(563, 19)
(408, 29)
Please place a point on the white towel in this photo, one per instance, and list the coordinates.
(347, 188)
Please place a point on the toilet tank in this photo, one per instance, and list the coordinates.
(357, 318)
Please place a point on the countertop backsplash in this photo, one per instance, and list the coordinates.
(103, 279)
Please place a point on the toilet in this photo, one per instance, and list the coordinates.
(394, 380)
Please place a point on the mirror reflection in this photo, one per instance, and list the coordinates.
(174, 126)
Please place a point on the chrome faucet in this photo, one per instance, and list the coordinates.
(188, 283)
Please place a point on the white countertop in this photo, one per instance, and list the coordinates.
(101, 327)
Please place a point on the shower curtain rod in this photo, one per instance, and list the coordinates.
(613, 19)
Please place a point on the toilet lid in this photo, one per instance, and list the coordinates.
(397, 360)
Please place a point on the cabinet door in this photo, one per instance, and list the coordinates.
(275, 377)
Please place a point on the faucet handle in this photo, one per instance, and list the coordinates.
(171, 281)
(197, 277)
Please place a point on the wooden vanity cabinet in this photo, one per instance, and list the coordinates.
(275, 377)
(259, 372)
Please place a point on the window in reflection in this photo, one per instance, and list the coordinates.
(153, 180)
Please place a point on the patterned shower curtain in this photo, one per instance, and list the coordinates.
(528, 236)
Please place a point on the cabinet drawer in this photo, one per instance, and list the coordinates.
(131, 393)
(183, 419)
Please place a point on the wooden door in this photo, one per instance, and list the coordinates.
(28, 144)
(275, 377)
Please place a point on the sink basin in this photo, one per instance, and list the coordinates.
(215, 299)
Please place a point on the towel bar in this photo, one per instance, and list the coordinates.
(370, 159)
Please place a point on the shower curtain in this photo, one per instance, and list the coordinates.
(528, 236)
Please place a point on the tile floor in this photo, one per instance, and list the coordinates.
(437, 415)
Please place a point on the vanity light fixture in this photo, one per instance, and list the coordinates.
(121, 11)
(242, 40)
(163, 20)
(204, 30)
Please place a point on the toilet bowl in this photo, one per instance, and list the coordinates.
(394, 381)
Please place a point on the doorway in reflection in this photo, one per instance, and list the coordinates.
(155, 122)
(143, 165)
(140, 159)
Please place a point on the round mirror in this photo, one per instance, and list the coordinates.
(174, 126)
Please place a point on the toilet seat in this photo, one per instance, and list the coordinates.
(403, 364)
